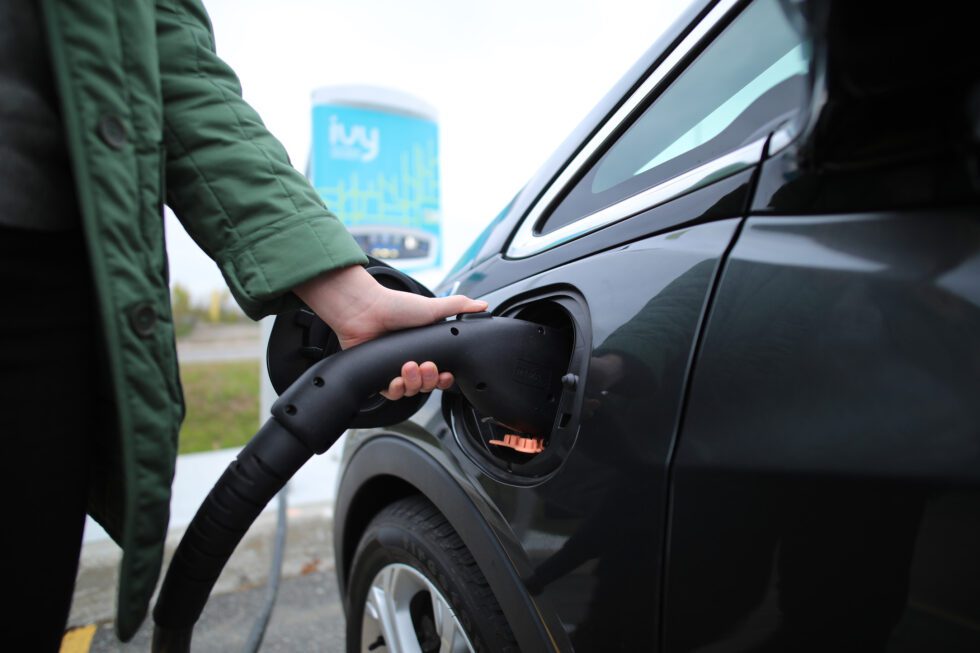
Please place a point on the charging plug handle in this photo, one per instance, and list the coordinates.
(508, 368)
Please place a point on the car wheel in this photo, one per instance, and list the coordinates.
(415, 588)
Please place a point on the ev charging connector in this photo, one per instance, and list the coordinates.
(509, 368)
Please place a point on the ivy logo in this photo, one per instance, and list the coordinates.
(357, 143)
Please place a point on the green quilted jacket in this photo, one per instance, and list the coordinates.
(151, 113)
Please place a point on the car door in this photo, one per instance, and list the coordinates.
(623, 249)
(825, 494)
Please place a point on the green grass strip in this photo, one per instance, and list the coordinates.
(222, 405)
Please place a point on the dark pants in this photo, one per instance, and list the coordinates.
(48, 381)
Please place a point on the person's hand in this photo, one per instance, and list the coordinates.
(358, 309)
(417, 378)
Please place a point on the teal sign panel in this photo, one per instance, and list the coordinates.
(379, 172)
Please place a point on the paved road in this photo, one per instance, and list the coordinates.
(221, 342)
(307, 617)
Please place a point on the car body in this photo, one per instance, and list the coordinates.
(765, 242)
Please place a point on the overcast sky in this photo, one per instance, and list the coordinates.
(510, 79)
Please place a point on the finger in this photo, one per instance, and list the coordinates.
(412, 378)
(446, 380)
(396, 389)
(430, 376)
(455, 304)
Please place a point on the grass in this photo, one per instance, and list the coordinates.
(222, 405)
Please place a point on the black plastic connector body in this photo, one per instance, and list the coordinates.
(507, 368)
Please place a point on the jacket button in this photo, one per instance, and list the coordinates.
(113, 131)
(143, 319)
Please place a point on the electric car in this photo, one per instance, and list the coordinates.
(763, 248)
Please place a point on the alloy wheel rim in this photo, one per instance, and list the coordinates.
(405, 613)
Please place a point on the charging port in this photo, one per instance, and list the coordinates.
(530, 458)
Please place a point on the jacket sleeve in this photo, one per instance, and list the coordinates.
(229, 181)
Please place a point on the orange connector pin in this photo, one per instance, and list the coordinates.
(517, 443)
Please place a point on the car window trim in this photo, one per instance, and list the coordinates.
(724, 166)
(525, 241)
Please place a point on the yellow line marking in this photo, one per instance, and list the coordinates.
(78, 640)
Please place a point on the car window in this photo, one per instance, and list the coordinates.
(748, 80)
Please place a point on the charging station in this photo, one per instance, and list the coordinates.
(375, 162)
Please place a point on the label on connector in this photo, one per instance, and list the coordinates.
(530, 374)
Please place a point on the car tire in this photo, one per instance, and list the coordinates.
(415, 588)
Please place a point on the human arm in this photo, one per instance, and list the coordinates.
(230, 182)
(234, 189)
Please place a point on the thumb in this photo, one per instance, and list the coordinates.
(443, 307)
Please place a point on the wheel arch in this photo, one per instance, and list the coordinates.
(388, 468)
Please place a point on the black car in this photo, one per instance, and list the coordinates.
(764, 248)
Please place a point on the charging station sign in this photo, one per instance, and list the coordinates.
(379, 172)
